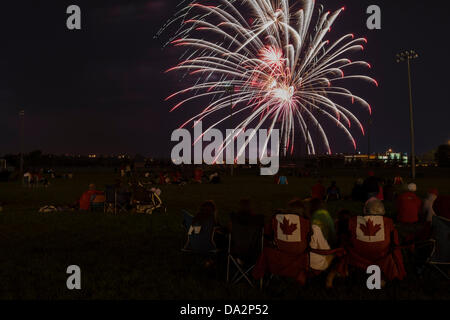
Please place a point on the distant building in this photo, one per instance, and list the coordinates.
(389, 157)
(443, 155)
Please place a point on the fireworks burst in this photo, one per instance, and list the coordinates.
(282, 71)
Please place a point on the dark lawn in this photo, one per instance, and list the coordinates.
(132, 256)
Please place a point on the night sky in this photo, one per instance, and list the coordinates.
(102, 89)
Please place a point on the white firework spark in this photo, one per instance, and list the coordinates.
(282, 70)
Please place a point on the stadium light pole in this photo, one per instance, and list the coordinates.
(22, 129)
(230, 90)
(402, 57)
(368, 138)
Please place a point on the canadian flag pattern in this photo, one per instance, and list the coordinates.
(370, 229)
(288, 228)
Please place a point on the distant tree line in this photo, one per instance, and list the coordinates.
(37, 159)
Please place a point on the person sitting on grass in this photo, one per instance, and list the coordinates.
(333, 192)
(374, 241)
(245, 212)
(323, 235)
(214, 178)
(428, 203)
(358, 191)
(87, 197)
(241, 227)
(198, 175)
(423, 230)
(409, 206)
(204, 232)
(372, 186)
(287, 254)
(337, 265)
(283, 180)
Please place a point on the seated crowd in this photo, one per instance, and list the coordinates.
(303, 240)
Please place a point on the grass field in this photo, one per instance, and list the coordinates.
(133, 256)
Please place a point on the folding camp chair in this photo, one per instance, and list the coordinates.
(245, 244)
(200, 241)
(439, 257)
(110, 199)
(289, 255)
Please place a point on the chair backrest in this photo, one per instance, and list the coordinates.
(283, 180)
(370, 229)
(441, 206)
(187, 220)
(246, 236)
(110, 194)
(291, 232)
(142, 195)
(441, 233)
(123, 197)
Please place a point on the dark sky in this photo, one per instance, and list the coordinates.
(102, 89)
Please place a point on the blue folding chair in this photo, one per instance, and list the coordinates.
(440, 237)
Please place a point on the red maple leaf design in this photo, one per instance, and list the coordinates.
(370, 230)
(288, 228)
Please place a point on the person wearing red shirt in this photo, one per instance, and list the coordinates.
(409, 205)
(87, 197)
(442, 206)
(318, 191)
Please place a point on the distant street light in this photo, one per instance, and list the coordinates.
(402, 57)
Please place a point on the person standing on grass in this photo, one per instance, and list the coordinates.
(358, 191)
(409, 205)
(374, 241)
(318, 191)
(428, 203)
(372, 186)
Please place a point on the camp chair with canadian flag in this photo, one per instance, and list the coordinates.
(200, 237)
(245, 244)
(374, 241)
(288, 256)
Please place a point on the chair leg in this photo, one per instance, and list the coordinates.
(244, 274)
(441, 272)
(228, 268)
